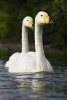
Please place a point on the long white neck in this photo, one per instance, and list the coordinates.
(25, 44)
(40, 57)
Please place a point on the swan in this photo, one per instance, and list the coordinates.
(27, 63)
(27, 22)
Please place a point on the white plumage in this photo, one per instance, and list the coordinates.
(34, 62)
(27, 22)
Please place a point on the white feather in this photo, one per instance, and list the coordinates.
(33, 62)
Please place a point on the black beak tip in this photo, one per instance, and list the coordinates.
(32, 28)
(51, 22)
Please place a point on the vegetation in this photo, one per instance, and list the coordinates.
(12, 13)
(57, 57)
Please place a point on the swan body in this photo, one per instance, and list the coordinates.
(23, 60)
(21, 64)
(34, 62)
(27, 22)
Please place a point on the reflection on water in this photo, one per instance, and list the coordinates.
(36, 86)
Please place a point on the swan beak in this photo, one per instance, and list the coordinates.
(46, 19)
(30, 24)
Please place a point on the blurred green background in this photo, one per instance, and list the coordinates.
(12, 13)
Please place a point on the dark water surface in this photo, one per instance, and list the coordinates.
(37, 86)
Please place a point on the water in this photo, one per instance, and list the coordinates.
(36, 86)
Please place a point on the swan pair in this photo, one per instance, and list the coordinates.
(31, 61)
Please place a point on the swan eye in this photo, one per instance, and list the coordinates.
(27, 20)
(41, 15)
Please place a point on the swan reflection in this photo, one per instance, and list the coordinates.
(33, 81)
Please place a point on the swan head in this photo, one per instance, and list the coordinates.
(42, 18)
(28, 22)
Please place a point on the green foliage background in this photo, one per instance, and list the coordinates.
(12, 13)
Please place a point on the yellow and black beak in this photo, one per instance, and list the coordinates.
(47, 20)
(30, 24)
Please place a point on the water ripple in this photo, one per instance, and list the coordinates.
(36, 86)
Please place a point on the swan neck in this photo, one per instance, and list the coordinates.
(40, 56)
(25, 44)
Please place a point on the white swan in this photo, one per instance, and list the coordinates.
(27, 22)
(28, 63)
